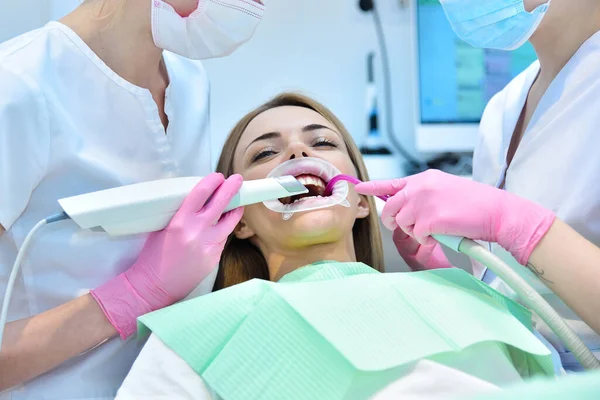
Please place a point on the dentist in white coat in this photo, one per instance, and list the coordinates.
(110, 95)
(539, 139)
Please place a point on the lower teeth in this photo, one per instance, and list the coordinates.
(304, 198)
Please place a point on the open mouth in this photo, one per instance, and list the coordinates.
(315, 185)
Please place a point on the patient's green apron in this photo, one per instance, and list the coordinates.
(332, 329)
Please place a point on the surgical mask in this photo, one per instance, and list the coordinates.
(314, 173)
(493, 24)
(215, 29)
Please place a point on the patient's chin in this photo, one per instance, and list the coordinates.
(300, 240)
(317, 227)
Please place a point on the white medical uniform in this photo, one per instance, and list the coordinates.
(556, 164)
(160, 374)
(70, 125)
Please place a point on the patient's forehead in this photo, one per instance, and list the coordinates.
(284, 120)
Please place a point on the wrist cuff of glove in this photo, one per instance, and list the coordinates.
(121, 305)
(539, 232)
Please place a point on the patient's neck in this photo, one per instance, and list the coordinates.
(282, 262)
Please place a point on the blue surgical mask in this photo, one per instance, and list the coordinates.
(493, 24)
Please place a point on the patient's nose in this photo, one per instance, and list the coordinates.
(298, 154)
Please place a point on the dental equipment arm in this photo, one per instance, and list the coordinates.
(426, 195)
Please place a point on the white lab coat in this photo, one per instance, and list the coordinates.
(556, 164)
(160, 374)
(70, 125)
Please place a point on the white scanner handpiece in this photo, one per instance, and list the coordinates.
(149, 206)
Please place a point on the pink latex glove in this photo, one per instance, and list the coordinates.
(175, 260)
(419, 257)
(434, 202)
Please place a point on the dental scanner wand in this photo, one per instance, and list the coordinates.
(526, 293)
(149, 206)
(143, 208)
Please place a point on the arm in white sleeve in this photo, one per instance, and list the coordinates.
(24, 154)
(159, 373)
(24, 143)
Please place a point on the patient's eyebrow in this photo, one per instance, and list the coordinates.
(265, 136)
(314, 127)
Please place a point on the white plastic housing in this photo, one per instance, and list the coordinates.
(149, 206)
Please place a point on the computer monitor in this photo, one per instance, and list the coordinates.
(454, 81)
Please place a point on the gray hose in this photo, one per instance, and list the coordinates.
(533, 300)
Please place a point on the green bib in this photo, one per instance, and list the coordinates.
(339, 330)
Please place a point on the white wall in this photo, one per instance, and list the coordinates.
(318, 47)
(19, 16)
(60, 8)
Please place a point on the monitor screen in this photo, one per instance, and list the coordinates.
(457, 80)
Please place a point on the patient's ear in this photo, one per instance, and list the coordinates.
(243, 231)
(363, 207)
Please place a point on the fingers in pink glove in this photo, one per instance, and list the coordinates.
(419, 257)
(175, 260)
(198, 197)
(399, 213)
(221, 198)
(437, 258)
(227, 223)
(390, 212)
(406, 245)
(213, 211)
(394, 189)
(381, 188)
(422, 234)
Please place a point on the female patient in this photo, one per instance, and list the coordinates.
(322, 322)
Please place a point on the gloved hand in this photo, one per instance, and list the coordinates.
(419, 257)
(434, 202)
(175, 260)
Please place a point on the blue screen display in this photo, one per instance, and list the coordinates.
(457, 80)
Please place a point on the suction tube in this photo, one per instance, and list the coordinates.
(15, 269)
(527, 294)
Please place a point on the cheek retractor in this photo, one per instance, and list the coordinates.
(316, 167)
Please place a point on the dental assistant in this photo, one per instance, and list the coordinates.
(108, 96)
(538, 140)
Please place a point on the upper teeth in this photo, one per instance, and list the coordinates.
(311, 180)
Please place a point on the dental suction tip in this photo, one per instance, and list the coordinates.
(338, 178)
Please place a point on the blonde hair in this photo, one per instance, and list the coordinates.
(242, 261)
